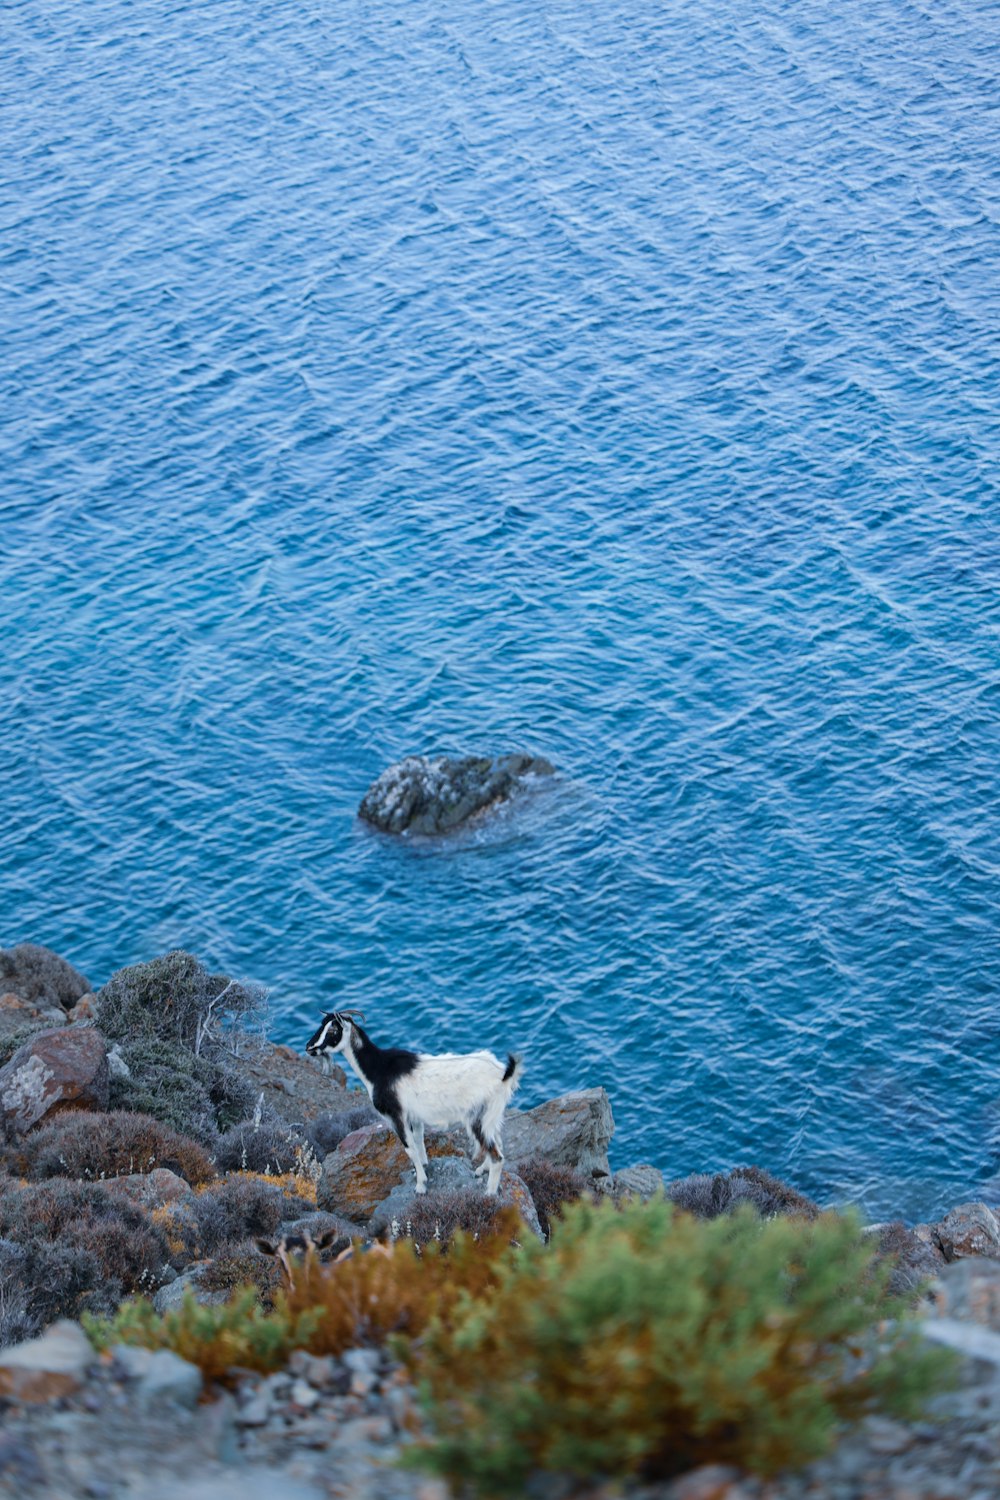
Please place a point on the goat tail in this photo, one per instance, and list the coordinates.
(512, 1075)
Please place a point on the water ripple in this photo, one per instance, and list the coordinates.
(614, 382)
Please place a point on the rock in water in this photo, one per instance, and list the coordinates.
(424, 796)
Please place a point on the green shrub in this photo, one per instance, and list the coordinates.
(198, 1096)
(238, 1335)
(646, 1342)
(172, 999)
(79, 1143)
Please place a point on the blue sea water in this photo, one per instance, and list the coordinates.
(615, 381)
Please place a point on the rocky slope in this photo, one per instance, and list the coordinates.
(148, 1148)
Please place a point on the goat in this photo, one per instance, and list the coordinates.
(300, 1242)
(412, 1090)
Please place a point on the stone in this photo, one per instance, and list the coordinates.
(970, 1229)
(637, 1182)
(149, 1190)
(710, 1482)
(23, 1015)
(256, 1411)
(304, 1395)
(85, 1009)
(969, 1290)
(444, 1175)
(573, 1130)
(368, 1164)
(53, 1071)
(451, 1174)
(295, 1087)
(322, 1371)
(431, 797)
(170, 1379)
(170, 1297)
(50, 1366)
(981, 1345)
(41, 977)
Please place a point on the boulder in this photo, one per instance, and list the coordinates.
(637, 1182)
(571, 1131)
(969, 1291)
(41, 977)
(160, 1375)
(368, 1164)
(295, 1088)
(451, 1175)
(168, 1298)
(970, 1229)
(149, 1190)
(17, 1015)
(53, 1071)
(429, 797)
(47, 1367)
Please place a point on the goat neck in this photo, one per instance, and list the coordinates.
(359, 1049)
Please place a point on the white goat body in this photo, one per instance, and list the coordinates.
(415, 1090)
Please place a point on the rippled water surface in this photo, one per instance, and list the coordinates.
(614, 381)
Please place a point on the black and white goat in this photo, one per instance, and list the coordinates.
(413, 1090)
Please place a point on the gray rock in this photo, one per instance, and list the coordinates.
(637, 1182)
(571, 1131)
(256, 1411)
(970, 1229)
(303, 1395)
(445, 1174)
(423, 796)
(52, 1365)
(979, 1344)
(969, 1290)
(170, 1297)
(168, 1378)
(55, 1070)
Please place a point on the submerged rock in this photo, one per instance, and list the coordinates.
(423, 796)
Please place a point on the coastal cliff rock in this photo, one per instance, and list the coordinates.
(448, 1175)
(40, 977)
(572, 1131)
(969, 1229)
(368, 1165)
(423, 796)
(54, 1071)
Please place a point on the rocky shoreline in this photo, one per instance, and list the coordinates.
(240, 1143)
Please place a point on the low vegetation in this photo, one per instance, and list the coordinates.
(88, 1145)
(639, 1342)
(75, 1247)
(645, 1342)
(551, 1189)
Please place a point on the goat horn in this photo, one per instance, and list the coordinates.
(354, 1015)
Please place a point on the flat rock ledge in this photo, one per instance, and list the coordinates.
(431, 797)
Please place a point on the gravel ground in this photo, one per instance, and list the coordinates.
(329, 1429)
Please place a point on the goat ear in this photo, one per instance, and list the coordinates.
(321, 1241)
(266, 1247)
